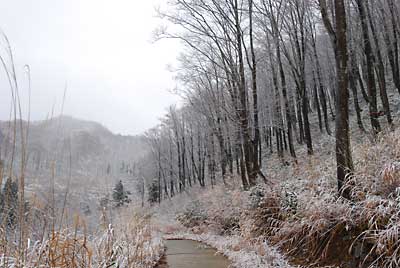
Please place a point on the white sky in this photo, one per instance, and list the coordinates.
(102, 48)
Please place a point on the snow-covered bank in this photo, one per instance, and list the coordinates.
(241, 253)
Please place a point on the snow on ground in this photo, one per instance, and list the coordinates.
(241, 253)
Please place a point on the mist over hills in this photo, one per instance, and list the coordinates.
(77, 148)
(66, 155)
(83, 139)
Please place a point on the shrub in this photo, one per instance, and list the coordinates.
(256, 196)
(9, 203)
(192, 215)
(224, 209)
(120, 196)
(154, 192)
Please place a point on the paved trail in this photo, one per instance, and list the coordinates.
(191, 254)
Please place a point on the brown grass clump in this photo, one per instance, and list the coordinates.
(377, 166)
(322, 235)
(266, 218)
(381, 235)
(64, 249)
(390, 177)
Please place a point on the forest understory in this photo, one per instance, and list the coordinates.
(298, 217)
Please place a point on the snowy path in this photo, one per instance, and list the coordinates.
(192, 254)
(239, 254)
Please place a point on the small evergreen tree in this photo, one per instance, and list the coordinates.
(120, 196)
(153, 192)
(9, 202)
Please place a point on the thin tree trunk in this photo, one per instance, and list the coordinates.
(357, 108)
(316, 104)
(380, 69)
(373, 110)
(256, 140)
(322, 91)
(299, 117)
(285, 99)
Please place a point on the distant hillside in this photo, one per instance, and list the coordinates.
(87, 147)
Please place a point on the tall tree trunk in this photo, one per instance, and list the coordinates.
(316, 104)
(195, 171)
(230, 151)
(373, 109)
(285, 97)
(171, 170)
(321, 91)
(344, 160)
(380, 68)
(299, 117)
(159, 176)
(391, 44)
(256, 141)
(304, 109)
(243, 113)
(357, 108)
(240, 165)
(222, 151)
(395, 46)
(362, 84)
(343, 151)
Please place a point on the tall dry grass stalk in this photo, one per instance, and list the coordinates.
(8, 64)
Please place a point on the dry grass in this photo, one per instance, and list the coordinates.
(131, 245)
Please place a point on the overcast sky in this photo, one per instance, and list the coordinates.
(102, 49)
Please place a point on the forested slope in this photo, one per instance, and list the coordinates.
(297, 104)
